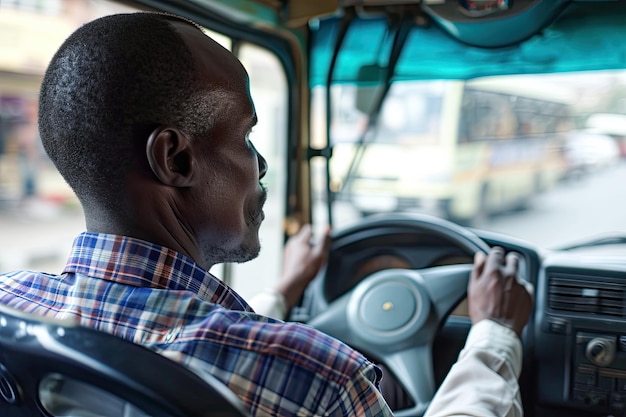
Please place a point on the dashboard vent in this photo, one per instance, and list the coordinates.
(586, 294)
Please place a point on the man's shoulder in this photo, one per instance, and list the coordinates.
(23, 285)
(22, 276)
(292, 342)
(264, 358)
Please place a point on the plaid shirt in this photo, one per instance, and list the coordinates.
(162, 299)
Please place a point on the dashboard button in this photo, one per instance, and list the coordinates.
(557, 326)
(601, 351)
(596, 398)
(606, 383)
(585, 375)
(622, 343)
(585, 379)
(621, 385)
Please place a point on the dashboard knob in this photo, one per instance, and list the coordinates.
(601, 351)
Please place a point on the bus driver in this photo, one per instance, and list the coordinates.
(147, 119)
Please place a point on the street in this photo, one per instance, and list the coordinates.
(574, 210)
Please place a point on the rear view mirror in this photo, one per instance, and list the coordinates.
(370, 84)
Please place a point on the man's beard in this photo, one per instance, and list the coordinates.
(240, 254)
(250, 247)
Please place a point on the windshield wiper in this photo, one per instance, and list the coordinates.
(327, 151)
(405, 25)
(597, 241)
(403, 28)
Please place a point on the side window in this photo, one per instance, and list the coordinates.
(539, 117)
(487, 115)
(37, 209)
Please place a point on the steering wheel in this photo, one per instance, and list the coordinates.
(397, 312)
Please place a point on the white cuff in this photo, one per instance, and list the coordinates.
(489, 335)
(269, 303)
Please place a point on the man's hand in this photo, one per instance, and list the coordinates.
(301, 263)
(495, 291)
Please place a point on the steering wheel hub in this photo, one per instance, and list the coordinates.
(389, 306)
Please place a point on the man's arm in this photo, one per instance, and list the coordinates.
(484, 381)
(301, 263)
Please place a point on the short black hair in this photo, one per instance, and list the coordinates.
(108, 86)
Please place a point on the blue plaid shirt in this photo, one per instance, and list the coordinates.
(162, 299)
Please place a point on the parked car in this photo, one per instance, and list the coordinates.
(611, 124)
(587, 151)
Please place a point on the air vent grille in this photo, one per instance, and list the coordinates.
(586, 294)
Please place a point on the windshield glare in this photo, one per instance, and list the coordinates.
(538, 157)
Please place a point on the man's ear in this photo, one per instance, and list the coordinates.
(170, 156)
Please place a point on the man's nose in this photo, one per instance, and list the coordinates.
(262, 163)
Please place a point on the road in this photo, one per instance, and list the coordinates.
(573, 210)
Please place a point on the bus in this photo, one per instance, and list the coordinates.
(463, 150)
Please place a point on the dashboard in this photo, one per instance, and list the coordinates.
(574, 343)
(397, 249)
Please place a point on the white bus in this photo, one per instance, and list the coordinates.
(462, 150)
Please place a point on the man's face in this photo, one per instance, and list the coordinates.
(224, 208)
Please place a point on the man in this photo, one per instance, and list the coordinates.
(148, 119)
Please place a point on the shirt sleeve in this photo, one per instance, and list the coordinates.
(484, 380)
(269, 303)
(361, 397)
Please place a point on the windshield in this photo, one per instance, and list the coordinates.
(538, 155)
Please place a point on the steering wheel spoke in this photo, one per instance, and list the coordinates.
(334, 321)
(446, 286)
(414, 367)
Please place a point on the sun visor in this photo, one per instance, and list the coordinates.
(583, 37)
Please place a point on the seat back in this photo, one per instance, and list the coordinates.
(56, 368)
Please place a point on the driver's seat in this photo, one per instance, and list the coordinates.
(57, 368)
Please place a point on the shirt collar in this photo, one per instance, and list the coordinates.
(139, 263)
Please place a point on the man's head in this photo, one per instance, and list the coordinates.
(147, 120)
